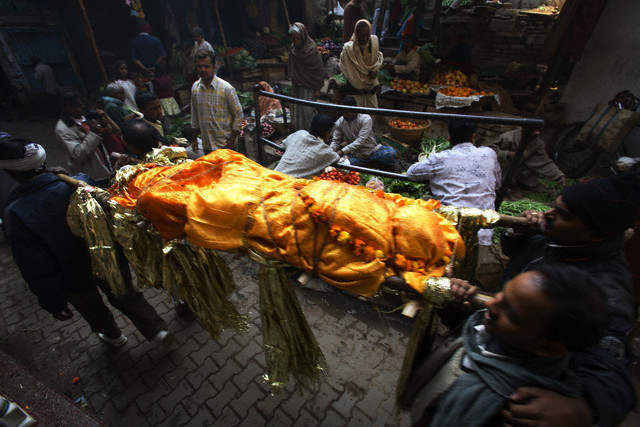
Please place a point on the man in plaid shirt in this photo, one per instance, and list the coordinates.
(216, 113)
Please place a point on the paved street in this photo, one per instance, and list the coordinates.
(200, 381)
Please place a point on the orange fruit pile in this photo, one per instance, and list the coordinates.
(462, 91)
(450, 77)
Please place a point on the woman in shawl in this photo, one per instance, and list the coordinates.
(306, 72)
(360, 62)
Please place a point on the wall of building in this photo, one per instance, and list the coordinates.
(498, 36)
(610, 62)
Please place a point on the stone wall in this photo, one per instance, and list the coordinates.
(498, 36)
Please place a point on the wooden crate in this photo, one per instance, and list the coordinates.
(272, 72)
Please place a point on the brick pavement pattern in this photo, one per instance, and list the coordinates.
(203, 382)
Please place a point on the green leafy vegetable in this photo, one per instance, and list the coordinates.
(340, 78)
(175, 126)
(384, 77)
(430, 146)
(246, 98)
(426, 55)
(414, 190)
(515, 208)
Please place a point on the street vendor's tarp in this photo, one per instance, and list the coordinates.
(351, 237)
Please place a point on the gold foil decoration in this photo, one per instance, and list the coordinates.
(289, 343)
(141, 243)
(437, 291)
(204, 282)
(468, 221)
(87, 219)
(167, 156)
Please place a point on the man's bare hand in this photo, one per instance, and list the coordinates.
(535, 220)
(531, 406)
(194, 146)
(461, 293)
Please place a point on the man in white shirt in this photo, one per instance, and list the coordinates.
(353, 137)
(464, 176)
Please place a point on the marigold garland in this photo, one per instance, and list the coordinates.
(359, 246)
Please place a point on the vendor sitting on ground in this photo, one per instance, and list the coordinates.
(522, 338)
(353, 137)
(407, 64)
(307, 153)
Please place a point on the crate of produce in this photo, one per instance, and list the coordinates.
(408, 130)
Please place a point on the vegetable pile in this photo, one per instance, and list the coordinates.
(409, 86)
(266, 129)
(426, 55)
(433, 145)
(243, 59)
(332, 174)
(450, 77)
(462, 91)
(404, 124)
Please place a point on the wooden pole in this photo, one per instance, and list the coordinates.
(286, 13)
(224, 39)
(89, 31)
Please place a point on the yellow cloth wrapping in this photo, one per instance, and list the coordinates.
(225, 201)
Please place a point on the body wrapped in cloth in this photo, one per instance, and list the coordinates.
(350, 237)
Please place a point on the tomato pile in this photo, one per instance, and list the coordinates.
(352, 177)
(404, 124)
(266, 129)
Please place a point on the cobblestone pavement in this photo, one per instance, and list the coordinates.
(200, 381)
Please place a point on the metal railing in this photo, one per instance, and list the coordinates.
(529, 125)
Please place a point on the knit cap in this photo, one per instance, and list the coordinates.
(608, 205)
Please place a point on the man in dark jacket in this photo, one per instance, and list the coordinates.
(53, 261)
(585, 228)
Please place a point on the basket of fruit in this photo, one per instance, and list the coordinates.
(408, 130)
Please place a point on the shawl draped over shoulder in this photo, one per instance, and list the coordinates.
(305, 63)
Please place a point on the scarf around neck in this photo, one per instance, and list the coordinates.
(477, 397)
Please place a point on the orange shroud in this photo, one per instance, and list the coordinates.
(347, 235)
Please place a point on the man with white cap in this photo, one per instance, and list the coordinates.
(53, 261)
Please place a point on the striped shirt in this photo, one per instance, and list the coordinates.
(215, 111)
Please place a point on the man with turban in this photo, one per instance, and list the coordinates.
(53, 261)
(360, 62)
(585, 228)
